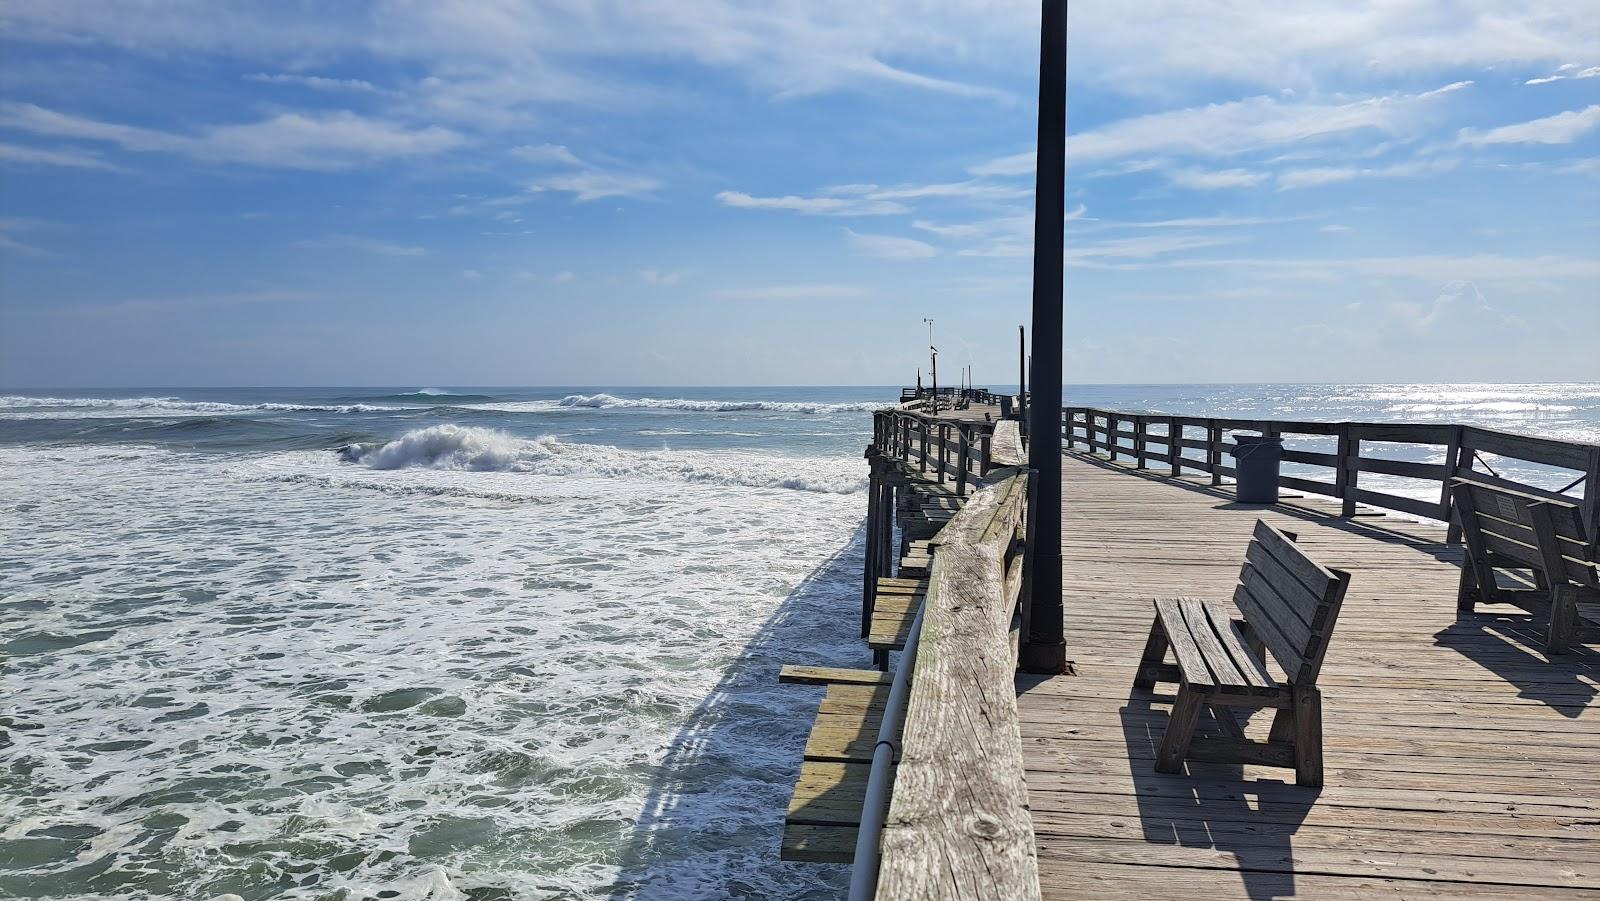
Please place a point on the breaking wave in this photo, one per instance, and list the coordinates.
(463, 448)
(166, 406)
(1488, 406)
(611, 401)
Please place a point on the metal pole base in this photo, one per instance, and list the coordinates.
(1043, 659)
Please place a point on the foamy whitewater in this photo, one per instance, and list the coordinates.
(426, 642)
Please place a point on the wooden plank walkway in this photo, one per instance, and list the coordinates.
(1460, 761)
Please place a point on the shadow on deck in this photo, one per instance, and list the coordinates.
(713, 818)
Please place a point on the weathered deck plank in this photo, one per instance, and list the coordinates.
(1461, 761)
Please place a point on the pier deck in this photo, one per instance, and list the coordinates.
(1460, 760)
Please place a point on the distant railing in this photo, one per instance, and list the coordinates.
(961, 397)
(952, 450)
(1146, 438)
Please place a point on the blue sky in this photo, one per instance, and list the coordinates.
(202, 192)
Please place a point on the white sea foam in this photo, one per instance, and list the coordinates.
(226, 682)
(26, 407)
(454, 447)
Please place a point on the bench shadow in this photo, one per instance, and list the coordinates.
(1502, 645)
(1214, 806)
(711, 824)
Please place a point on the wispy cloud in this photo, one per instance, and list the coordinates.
(1562, 128)
(1326, 175)
(77, 159)
(316, 82)
(890, 247)
(1202, 180)
(812, 206)
(792, 292)
(595, 185)
(327, 141)
(9, 226)
(662, 277)
(583, 180)
(366, 245)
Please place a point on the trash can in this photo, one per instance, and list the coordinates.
(1256, 462)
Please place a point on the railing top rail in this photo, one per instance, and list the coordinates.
(948, 779)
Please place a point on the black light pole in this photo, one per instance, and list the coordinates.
(1022, 373)
(1045, 648)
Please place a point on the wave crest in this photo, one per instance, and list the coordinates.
(465, 448)
(164, 405)
(611, 401)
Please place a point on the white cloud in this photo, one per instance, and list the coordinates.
(547, 154)
(563, 276)
(326, 141)
(1201, 180)
(316, 82)
(1290, 179)
(584, 181)
(1562, 128)
(592, 185)
(367, 245)
(792, 292)
(661, 277)
(13, 153)
(890, 247)
(812, 206)
(471, 275)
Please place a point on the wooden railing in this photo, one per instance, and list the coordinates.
(1146, 438)
(946, 395)
(958, 825)
(952, 450)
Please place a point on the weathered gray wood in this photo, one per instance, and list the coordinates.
(1249, 665)
(1191, 661)
(1282, 632)
(958, 823)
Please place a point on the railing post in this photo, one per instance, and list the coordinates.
(1139, 438)
(1452, 457)
(1112, 422)
(922, 441)
(871, 565)
(1214, 450)
(944, 437)
(963, 451)
(1345, 478)
(984, 460)
(1175, 446)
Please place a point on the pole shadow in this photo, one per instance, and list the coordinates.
(711, 824)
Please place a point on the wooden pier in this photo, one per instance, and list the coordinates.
(1461, 758)
(1461, 761)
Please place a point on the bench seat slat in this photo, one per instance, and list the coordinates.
(1228, 632)
(1190, 660)
(1224, 673)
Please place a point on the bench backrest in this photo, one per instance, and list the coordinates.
(1290, 601)
(1535, 531)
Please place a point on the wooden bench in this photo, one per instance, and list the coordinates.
(1541, 534)
(1289, 603)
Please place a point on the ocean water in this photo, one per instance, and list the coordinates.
(457, 643)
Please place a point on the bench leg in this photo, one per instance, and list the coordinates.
(1466, 589)
(1307, 736)
(880, 659)
(1563, 619)
(1180, 731)
(1155, 651)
